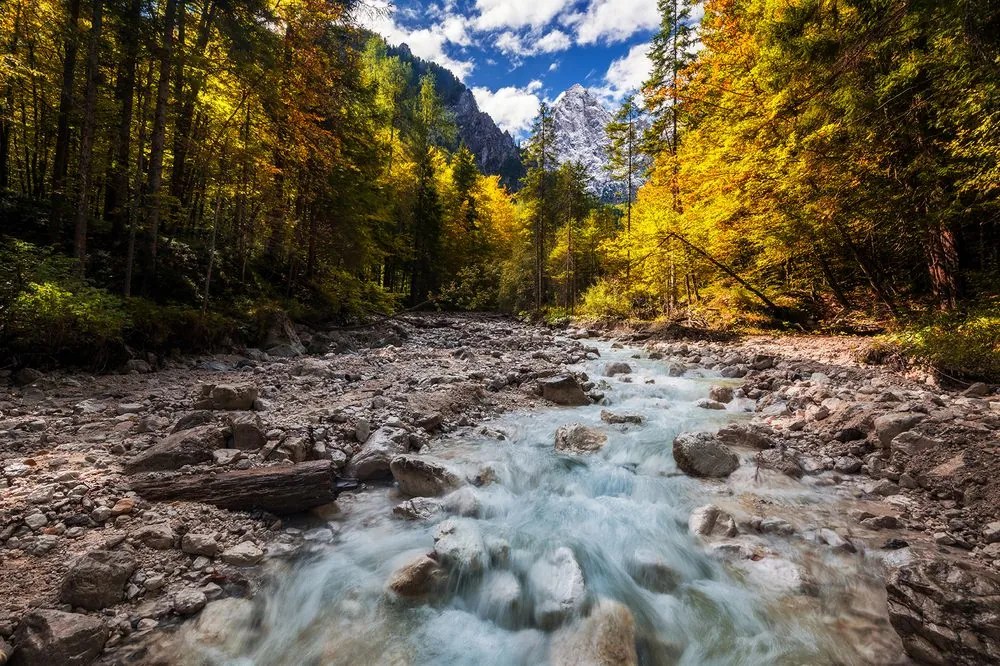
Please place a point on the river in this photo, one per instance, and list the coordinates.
(622, 513)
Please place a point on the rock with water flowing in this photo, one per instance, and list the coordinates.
(653, 572)
(419, 577)
(721, 394)
(558, 589)
(373, 461)
(564, 390)
(620, 418)
(617, 368)
(604, 638)
(459, 545)
(422, 476)
(701, 454)
(499, 596)
(709, 520)
(418, 508)
(577, 438)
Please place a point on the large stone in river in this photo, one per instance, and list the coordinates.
(709, 520)
(577, 438)
(564, 390)
(701, 454)
(459, 545)
(418, 577)
(54, 638)
(605, 638)
(421, 476)
(97, 579)
(187, 447)
(557, 586)
(373, 460)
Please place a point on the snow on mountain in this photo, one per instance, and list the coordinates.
(580, 120)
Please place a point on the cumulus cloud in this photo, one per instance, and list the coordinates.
(512, 44)
(512, 108)
(427, 43)
(612, 21)
(496, 14)
(626, 74)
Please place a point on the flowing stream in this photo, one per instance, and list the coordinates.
(623, 513)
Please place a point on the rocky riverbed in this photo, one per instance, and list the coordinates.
(134, 503)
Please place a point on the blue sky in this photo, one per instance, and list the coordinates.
(517, 53)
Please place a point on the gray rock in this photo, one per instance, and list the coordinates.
(97, 579)
(780, 460)
(708, 403)
(746, 435)
(653, 572)
(977, 390)
(711, 521)
(189, 601)
(158, 536)
(54, 638)
(557, 588)
(373, 461)
(237, 397)
(195, 543)
(418, 508)
(991, 533)
(248, 432)
(459, 545)
(421, 476)
(187, 447)
(564, 390)
(847, 465)
(701, 454)
(888, 426)
(362, 430)
(577, 438)
(245, 554)
(617, 368)
(193, 419)
(615, 418)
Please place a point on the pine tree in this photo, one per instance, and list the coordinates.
(626, 162)
(540, 159)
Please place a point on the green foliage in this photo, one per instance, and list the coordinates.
(960, 345)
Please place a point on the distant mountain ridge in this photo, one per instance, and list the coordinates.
(496, 151)
(581, 122)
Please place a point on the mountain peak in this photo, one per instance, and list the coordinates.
(576, 89)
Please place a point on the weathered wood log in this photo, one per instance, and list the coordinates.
(282, 489)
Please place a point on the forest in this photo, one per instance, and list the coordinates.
(175, 172)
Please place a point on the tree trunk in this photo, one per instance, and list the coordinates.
(942, 263)
(87, 138)
(116, 195)
(283, 489)
(158, 142)
(60, 163)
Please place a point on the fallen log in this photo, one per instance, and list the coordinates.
(281, 489)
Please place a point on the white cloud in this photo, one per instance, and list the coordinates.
(626, 74)
(425, 43)
(512, 108)
(613, 21)
(512, 44)
(536, 14)
(554, 66)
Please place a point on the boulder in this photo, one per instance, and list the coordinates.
(233, 397)
(187, 447)
(195, 543)
(577, 438)
(193, 419)
(707, 403)
(159, 536)
(620, 418)
(910, 444)
(653, 572)
(746, 435)
(54, 638)
(417, 578)
(244, 554)
(701, 454)
(946, 612)
(420, 476)
(721, 394)
(780, 460)
(617, 368)
(499, 595)
(888, 426)
(557, 588)
(605, 638)
(418, 508)
(375, 457)
(459, 545)
(711, 521)
(247, 432)
(564, 390)
(97, 579)
(847, 465)
(189, 601)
